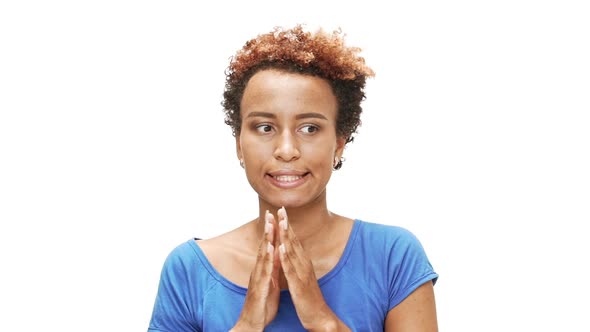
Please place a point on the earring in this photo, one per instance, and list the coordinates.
(242, 163)
(337, 162)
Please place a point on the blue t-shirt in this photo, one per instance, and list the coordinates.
(380, 266)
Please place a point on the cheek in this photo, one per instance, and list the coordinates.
(322, 158)
(253, 150)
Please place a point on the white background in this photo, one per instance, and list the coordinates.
(113, 150)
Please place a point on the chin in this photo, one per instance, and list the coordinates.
(290, 201)
(286, 202)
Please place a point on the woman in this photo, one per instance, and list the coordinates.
(292, 99)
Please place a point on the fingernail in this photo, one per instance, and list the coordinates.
(282, 212)
(267, 227)
(267, 216)
(283, 215)
(282, 248)
(269, 248)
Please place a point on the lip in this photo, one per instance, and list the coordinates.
(287, 172)
(287, 183)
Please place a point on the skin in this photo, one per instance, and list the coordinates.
(289, 125)
(416, 313)
(288, 145)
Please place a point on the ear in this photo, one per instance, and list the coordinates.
(239, 148)
(340, 144)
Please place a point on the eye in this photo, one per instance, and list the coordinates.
(264, 128)
(309, 129)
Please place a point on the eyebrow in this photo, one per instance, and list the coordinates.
(298, 116)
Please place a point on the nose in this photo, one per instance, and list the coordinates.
(286, 147)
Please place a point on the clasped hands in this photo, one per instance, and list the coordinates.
(281, 252)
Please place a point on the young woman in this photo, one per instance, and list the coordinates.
(293, 101)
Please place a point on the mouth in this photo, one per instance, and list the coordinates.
(288, 180)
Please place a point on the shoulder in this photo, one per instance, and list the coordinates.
(386, 243)
(403, 258)
(182, 260)
(397, 246)
(230, 255)
(231, 245)
(381, 234)
(182, 284)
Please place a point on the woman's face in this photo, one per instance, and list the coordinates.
(288, 137)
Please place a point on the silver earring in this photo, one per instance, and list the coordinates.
(242, 163)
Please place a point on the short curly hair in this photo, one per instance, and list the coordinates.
(320, 54)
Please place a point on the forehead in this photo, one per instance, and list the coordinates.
(285, 92)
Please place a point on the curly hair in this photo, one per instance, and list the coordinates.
(320, 54)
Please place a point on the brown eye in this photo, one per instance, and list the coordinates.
(264, 128)
(309, 129)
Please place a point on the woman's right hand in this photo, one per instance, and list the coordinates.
(262, 299)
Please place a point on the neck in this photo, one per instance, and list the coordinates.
(310, 223)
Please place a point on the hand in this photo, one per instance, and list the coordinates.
(262, 299)
(312, 310)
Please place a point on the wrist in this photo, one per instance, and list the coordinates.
(243, 327)
(329, 324)
(326, 326)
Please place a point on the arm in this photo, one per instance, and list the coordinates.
(416, 313)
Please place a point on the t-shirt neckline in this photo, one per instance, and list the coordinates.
(321, 281)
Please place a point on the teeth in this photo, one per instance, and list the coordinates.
(287, 178)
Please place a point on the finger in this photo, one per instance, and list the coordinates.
(269, 227)
(273, 265)
(264, 260)
(270, 250)
(263, 267)
(283, 225)
(276, 270)
(261, 277)
(269, 260)
(287, 236)
(293, 274)
(293, 259)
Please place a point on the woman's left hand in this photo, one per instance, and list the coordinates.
(312, 310)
